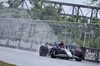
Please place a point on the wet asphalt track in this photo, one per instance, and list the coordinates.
(28, 58)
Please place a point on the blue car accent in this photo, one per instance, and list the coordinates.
(52, 44)
(67, 51)
(61, 55)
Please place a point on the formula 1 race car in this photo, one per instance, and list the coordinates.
(55, 50)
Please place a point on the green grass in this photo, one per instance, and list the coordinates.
(5, 64)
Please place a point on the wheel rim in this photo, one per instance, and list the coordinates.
(54, 53)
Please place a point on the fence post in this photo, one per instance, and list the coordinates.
(66, 34)
(99, 40)
(70, 36)
(80, 36)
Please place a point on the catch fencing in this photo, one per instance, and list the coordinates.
(28, 34)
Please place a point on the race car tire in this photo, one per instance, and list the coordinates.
(53, 52)
(43, 51)
(78, 54)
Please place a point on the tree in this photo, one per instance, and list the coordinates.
(36, 9)
(14, 3)
(70, 19)
(51, 13)
(76, 18)
(95, 20)
(83, 20)
(36, 3)
(46, 12)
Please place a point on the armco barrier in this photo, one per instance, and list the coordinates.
(18, 43)
(92, 54)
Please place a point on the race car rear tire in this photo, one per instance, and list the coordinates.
(53, 52)
(43, 51)
(78, 59)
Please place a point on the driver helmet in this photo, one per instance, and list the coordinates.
(62, 46)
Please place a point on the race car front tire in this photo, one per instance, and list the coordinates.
(78, 54)
(53, 52)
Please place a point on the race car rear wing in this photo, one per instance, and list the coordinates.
(53, 44)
